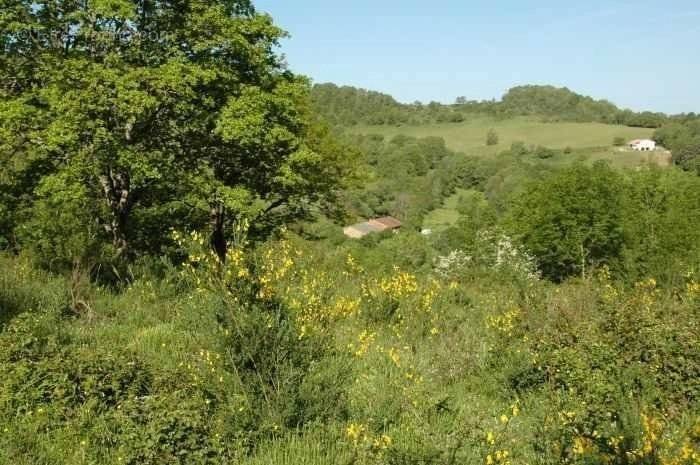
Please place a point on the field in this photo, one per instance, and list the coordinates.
(446, 216)
(469, 137)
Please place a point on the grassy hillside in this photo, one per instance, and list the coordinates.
(470, 136)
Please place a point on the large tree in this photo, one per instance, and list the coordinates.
(151, 114)
(571, 221)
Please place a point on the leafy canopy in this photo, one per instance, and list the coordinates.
(571, 221)
(146, 114)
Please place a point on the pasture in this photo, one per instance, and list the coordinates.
(469, 137)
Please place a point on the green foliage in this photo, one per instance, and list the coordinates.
(688, 157)
(492, 137)
(121, 120)
(682, 137)
(543, 153)
(571, 221)
(404, 177)
(561, 104)
(150, 121)
(619, 141)
(59, 229)
(206, 377)
(99, 405)
(662, 213)
(349, 106)
(601, 365)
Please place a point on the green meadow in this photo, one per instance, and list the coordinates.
(445, 216)
(470, 136)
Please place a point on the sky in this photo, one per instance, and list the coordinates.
(643, 54)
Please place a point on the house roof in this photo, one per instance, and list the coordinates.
(364, 228)
(376, 225)
(388, 222)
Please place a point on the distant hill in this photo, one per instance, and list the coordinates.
(561, 104)
(350, 106)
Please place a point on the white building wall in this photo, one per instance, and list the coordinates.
(644, 145)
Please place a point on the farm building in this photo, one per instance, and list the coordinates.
(360, 230)
(643, 145)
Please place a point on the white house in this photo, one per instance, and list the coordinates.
(643, 145)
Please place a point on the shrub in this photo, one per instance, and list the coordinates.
(543, 153)
(63, 402)
(492, 137)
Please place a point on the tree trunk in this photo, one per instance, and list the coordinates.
(117, 191)
(217, 218)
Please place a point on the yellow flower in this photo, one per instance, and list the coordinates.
(395, 357)
(515, 409)
(490, 438)
(504, 419)
(580, 446)
(365, 339)
(355, 431)
(382, 442)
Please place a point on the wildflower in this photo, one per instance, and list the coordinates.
(355, 431)
(490, 438)
(506, 322)
(581, 445)
(515, 409)
(382, 442)
(502, 455)
(504, 419)
(395, 357)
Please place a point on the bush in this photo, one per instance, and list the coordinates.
(492, 137)
(59, 232)
(543, 153)
(612, 374)
(63, 402)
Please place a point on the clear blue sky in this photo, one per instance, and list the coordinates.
(642, 54)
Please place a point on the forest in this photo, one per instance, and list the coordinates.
(176, 287)
(349, 106)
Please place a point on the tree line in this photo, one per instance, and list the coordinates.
(349, 106)
(682, 137)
